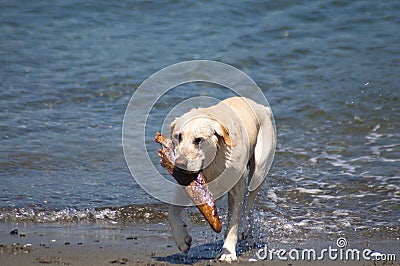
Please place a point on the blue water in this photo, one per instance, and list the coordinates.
(330, 70)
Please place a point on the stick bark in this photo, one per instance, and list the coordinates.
(195, 185)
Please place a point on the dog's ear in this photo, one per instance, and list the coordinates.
(172, 127)
(222, 132)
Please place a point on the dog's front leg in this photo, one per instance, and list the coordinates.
(235, 207)
(178, 226)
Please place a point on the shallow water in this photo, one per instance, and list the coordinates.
(328, 68)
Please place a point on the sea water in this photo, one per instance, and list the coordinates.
(329, 69)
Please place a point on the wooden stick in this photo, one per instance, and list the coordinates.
(195, 184)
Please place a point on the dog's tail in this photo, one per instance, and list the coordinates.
(264, 150)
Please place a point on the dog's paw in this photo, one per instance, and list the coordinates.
(249, 239)
(179, 230)
(227, 256)
(184, 243)
(182, 238)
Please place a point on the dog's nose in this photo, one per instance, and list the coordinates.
(181, 162)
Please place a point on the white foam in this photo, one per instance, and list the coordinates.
(329, 197)
(309, 190)
(341, 212)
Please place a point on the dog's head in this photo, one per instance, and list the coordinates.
(197, 138)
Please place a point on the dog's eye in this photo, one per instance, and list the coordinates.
(178, 137)
(197, 141)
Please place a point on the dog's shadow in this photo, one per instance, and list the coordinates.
(202, 253)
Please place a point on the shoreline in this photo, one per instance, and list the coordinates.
(148, 244)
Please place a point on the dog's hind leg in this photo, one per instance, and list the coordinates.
(259, 165)
(235, 207)
(178, 226)
(249, 220)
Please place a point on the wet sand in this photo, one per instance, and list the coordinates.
(140, 244)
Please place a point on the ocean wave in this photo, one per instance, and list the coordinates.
(125, 214)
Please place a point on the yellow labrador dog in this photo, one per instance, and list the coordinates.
(226, 141)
